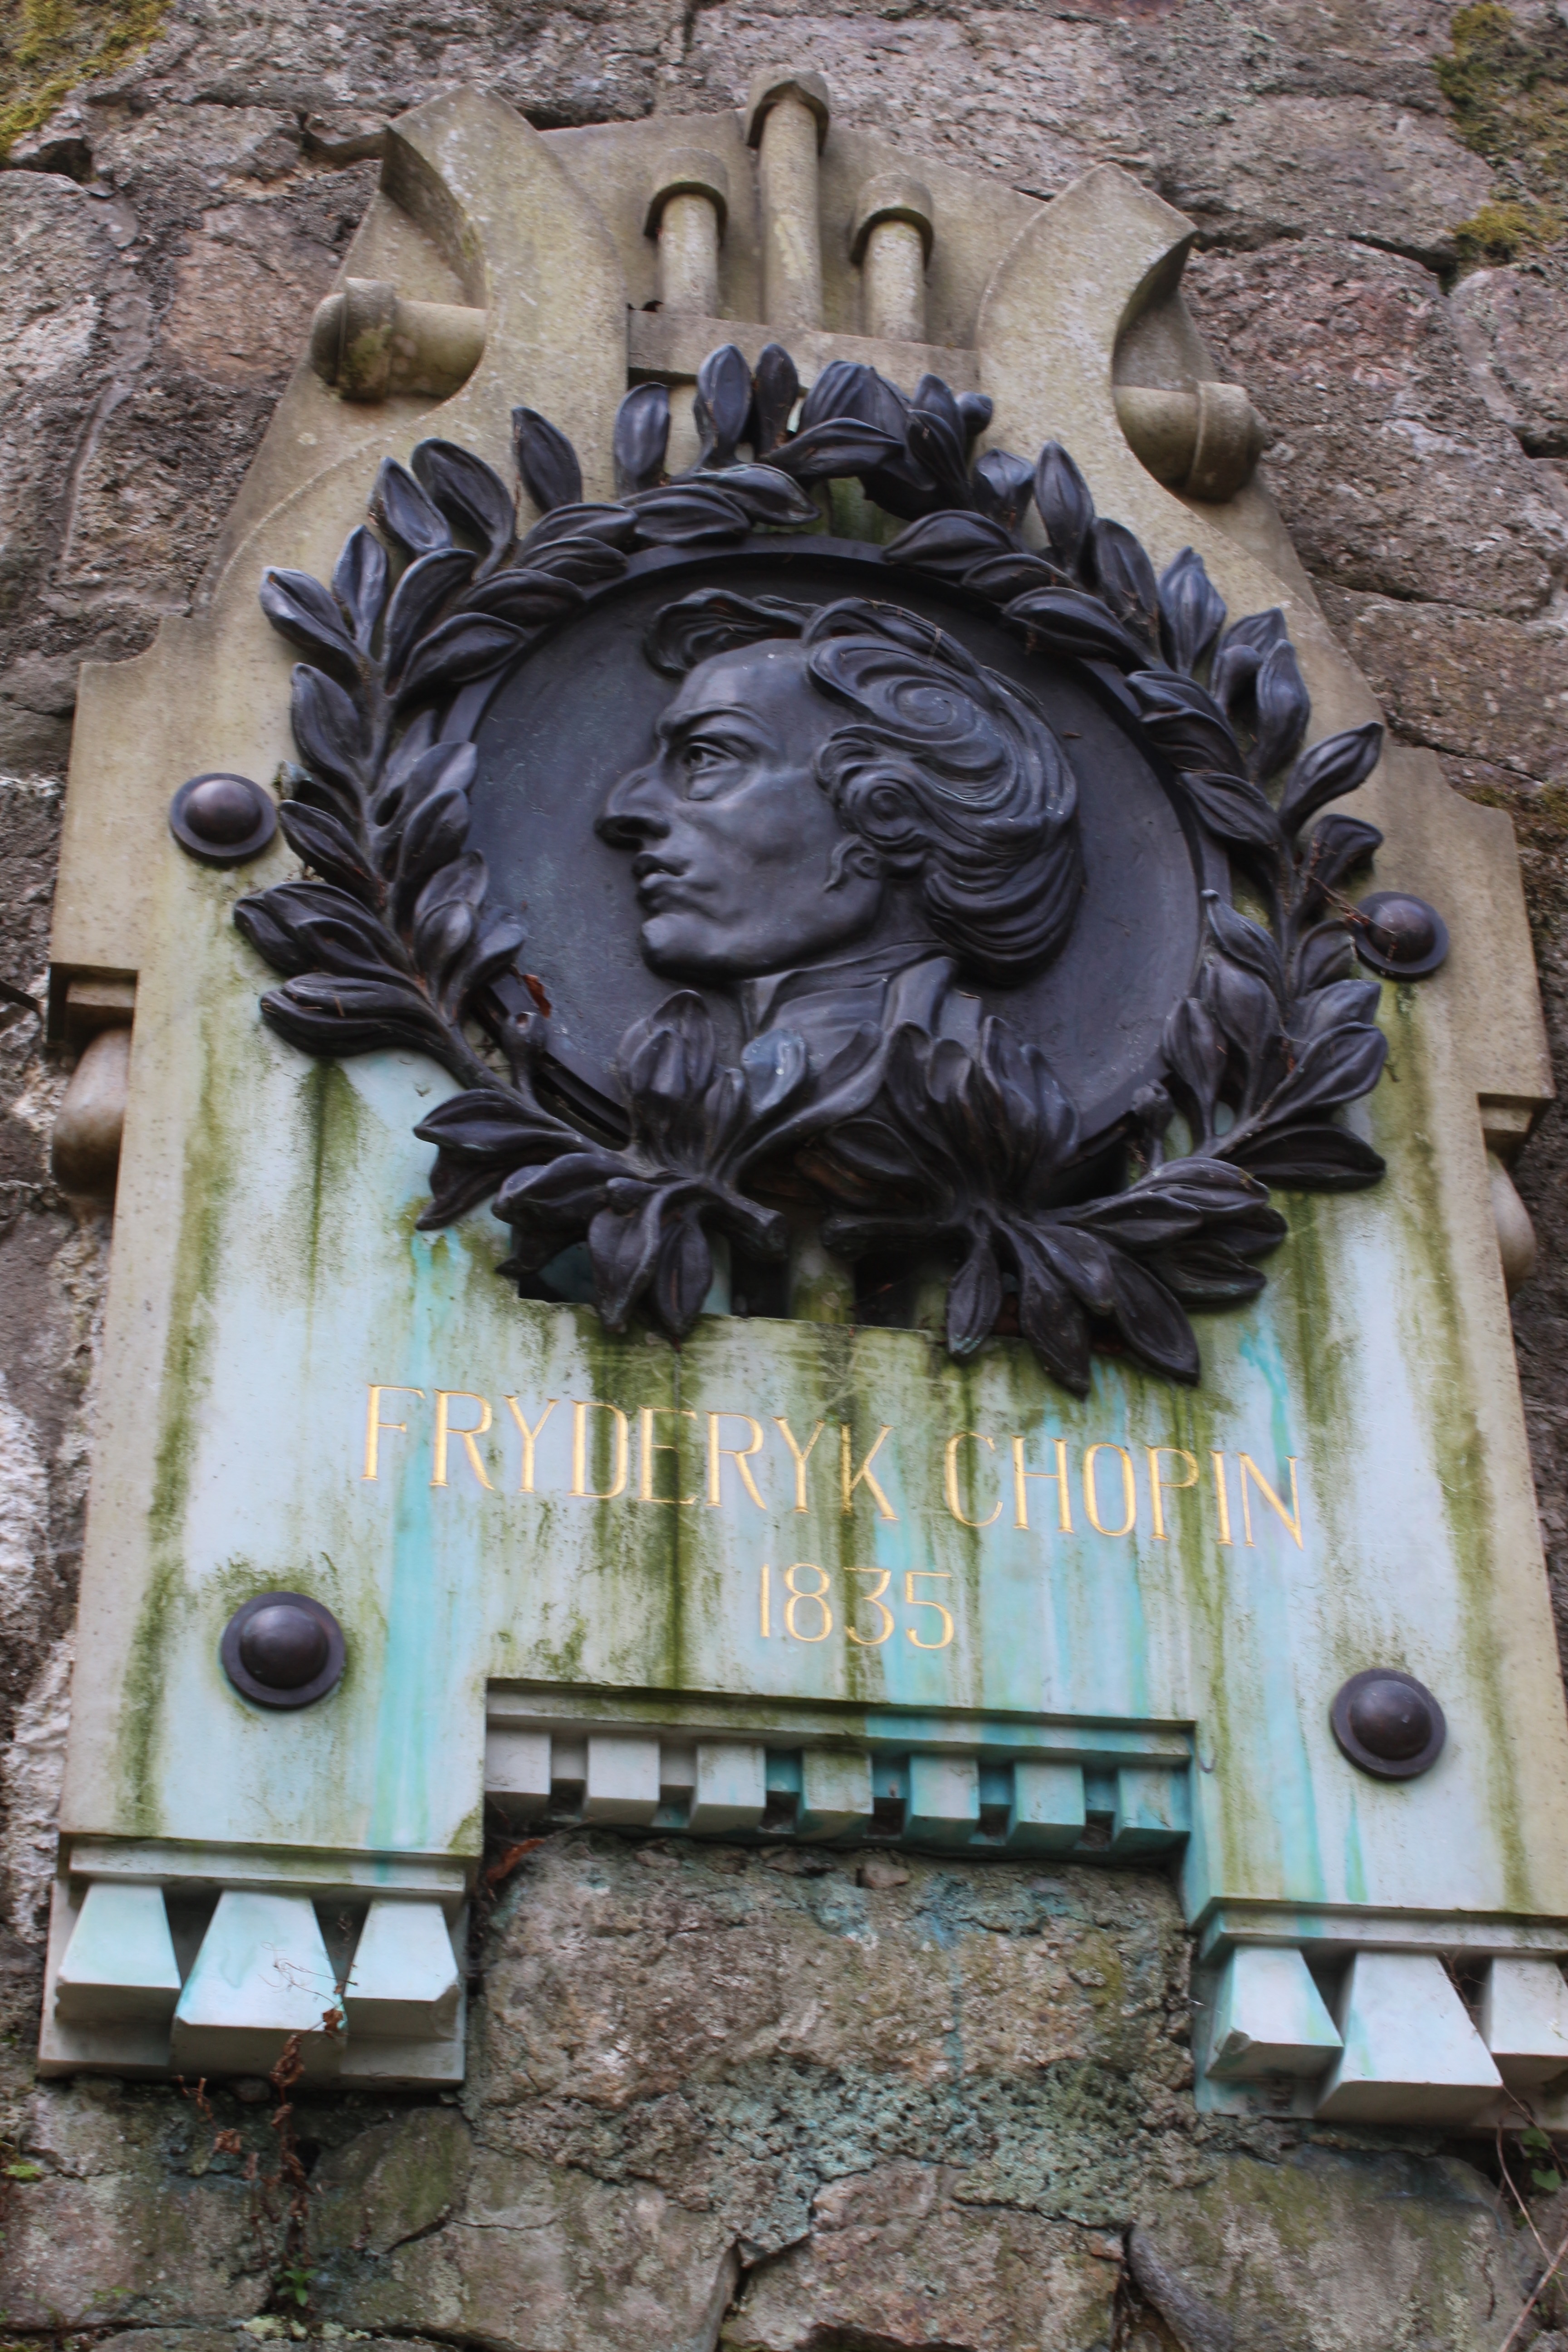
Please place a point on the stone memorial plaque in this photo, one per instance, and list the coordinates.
(806, 1158)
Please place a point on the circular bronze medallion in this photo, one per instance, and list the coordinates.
(1388, 1723)
(578, 716)
(283, 1649)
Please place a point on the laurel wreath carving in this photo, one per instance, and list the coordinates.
(393, 937)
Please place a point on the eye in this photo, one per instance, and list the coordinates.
(706, 762)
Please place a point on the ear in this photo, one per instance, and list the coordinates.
(853, 859)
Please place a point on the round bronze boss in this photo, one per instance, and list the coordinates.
(222, 819)
(1399, 935)
(283, 1649)
(1388, 1723)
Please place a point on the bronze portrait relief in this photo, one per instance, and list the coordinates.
(841, 818)
(740, 873)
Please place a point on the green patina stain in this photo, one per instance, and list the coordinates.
(362, 370)
(963, 1550)
(852, 515)
(1437, 1342)
(854, 1402)
(824, 1297)
(1353, 1860)
(334, 1142)
(208, 1176)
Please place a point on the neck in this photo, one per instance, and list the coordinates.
(879, 988)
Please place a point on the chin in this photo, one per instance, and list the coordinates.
(679, 950)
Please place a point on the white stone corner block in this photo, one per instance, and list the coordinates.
(835, 1793)
(1153, 1809)
(262, 1974)
(677, 1773)
(517, 1771)
(404, 1980)
(1048, 1814)
(944, 1798)
(732, 1791)
(1411, 2054)
(1269, 2018)
(1524, 2020)
(120, 1962)
(622, 1786)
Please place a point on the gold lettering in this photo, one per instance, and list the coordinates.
(1160, 1487)
(649, 1445)
(580, 1411)
(1129, 1491)
(1057, 1477)
(445, 1434)
(529, 1439)
(912, 1597)
(787, 1433)
(949, 1477)
(766, 1597)
(373, 1423)
(863, 1476)
(1221, 1497)
(738, 1454)
(815, 1592)
(1292, 1517)
(873, 1599)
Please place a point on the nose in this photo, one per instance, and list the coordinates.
(636, 810)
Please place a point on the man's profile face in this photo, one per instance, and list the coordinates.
(742, 867)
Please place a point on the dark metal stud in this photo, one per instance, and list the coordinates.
(1388, 1723)
(1399, 936)
(282, 1649)
(222, 819)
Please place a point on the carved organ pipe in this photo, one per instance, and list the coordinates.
(786, 122)
(1515, 1233)
(891, 241)
(367, 341)
(85, 1146)
(1206, 442)
(687, 212)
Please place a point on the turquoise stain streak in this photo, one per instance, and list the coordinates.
(1291, 1811)
(1110, 1398)
(420, 1659)
(1091, 1607)
(1355, 1867)
(906, 1670)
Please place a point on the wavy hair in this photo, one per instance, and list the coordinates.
(950, 772)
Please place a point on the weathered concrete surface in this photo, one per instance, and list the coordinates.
(1344, 2250)
(1392, 474)
(1512, 326)
(1035, 102)
(52, 1268)
(145, 330)
(715, 2100)
(892, 2254)
(1429, 528)
(1467, 684)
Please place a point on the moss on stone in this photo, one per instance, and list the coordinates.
(1508, 86)
(49, 47)
(1505, 232)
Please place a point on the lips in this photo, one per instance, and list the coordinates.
(655, 881)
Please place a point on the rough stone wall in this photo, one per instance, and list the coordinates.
(713, 2100)
(784, 2103)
